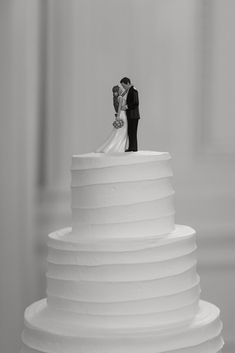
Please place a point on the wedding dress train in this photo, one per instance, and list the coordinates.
(118, 139)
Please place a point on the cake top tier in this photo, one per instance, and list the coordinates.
(101, 160)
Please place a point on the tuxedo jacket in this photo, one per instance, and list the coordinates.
(132, 101)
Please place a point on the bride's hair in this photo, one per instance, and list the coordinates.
(115, 89)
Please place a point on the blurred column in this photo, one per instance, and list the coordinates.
(18, 156)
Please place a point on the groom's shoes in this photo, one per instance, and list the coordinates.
(130, 150)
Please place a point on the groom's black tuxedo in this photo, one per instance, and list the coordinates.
(133, 116)
(132, 101)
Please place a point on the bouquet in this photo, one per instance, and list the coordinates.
(118, 123)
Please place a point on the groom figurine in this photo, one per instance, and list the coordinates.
(132, 113)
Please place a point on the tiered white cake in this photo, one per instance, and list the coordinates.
(123, 279)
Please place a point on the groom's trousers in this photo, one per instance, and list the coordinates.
(132, 134)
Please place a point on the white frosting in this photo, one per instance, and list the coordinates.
(63, 239)
(120, 193)
(124, 195)
(145, 210)
(144, 306)
(134, 283)
(159, 226)
(100, 160)
(123, 278)
(128, 172)
(50, 331)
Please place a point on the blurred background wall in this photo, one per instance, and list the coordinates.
(58, 62)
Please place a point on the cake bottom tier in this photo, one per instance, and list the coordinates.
(44, 334)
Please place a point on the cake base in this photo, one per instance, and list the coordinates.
(44, 333)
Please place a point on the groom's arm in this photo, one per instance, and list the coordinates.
(134, 101)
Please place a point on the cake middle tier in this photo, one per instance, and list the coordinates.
(124, 283)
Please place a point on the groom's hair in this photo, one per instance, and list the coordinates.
(125, 80)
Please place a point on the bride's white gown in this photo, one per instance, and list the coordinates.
(118, 139)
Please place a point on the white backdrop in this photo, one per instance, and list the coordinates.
(59, 61)
(91, 46)
(18, 156)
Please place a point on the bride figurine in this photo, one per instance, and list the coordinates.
(118, 139)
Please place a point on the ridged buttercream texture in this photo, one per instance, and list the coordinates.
(123, 278)
(122, 197)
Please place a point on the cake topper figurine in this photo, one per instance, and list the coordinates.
(123, 137)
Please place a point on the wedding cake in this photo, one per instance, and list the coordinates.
(123, 278)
